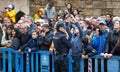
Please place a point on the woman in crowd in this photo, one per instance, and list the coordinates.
(6, 38)
(15, 44)
(39, 14)
(7, 21)
(68, 9)
(75, 12)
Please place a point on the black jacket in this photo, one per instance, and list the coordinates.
(33, 44)
(15, 43)
(112, 41)
(110, 24)
(61, 43)
(47, 40)
(89, 50)
(24, 38)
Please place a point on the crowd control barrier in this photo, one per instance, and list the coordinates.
(40, 61)
(12, 61)
(43, 61)
(98, 64)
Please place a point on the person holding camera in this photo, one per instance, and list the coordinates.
(99, 37)
(10, 12)
(75, 35)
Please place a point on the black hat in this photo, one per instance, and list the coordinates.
(60, 25)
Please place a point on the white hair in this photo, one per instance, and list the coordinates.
(116, 18)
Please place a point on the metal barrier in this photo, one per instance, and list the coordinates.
(10, 60)
(43, 61)
(40, 61)
(99, 64)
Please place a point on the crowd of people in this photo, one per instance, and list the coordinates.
(64, 32)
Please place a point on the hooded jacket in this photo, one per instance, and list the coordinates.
(11, 15)
(38, 16)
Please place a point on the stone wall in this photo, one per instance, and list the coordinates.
(19, 5)
(86, 7)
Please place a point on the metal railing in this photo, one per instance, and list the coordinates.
(12, 61)
(43, 61)
(98, 64)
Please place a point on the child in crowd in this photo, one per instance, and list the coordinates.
(32, 44)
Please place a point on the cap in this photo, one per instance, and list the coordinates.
(11, 6)
(60, 25)
(102, 23)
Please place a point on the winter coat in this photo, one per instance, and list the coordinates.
(110, 24)
(76, 39)
(112, 41)
(38, 16)
(47, 40)
(31, 44)
(15, 44)
(11, 15)
(61, 43)
(24, 38)
(99, 42)
(89, 50)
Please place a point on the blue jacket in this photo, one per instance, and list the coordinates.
(99, 42)
(32, 44)
(75, 39)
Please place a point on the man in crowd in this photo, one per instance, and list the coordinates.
(62, 46)
(99, 37)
